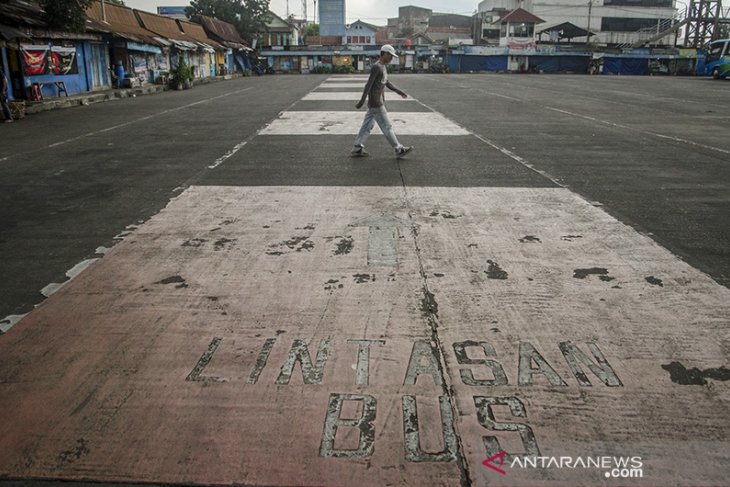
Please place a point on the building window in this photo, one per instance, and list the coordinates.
(716, 51)
(490, 33)
(522, 30)
(626, 24)
(349, 39)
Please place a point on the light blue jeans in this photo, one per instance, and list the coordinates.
(380, 115)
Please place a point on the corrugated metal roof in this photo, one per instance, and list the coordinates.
(163, 26)
(223, 30)
(197, 33)
(119, 20)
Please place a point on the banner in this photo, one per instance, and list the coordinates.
(64, 60)
(140, 63)
(162, 63)
(521, 44)
(35, 59)
(43, 59)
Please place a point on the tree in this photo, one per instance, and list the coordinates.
(313, 30)
(248, 16)
(67, 15)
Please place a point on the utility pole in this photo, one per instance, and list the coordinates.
(588, 30)
(103, 11)
(304, 10)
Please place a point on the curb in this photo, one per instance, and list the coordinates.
(108, 95)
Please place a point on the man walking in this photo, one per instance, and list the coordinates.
(4, 97)
(375, 93)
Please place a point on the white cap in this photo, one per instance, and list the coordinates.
(389, 49)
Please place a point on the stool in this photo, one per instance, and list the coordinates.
(35, 92)
(61, 86)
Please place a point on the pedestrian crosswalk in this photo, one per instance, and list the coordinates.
(347, 122)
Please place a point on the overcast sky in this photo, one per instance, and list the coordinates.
(371, 11)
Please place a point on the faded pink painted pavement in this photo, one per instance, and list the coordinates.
(245, 336)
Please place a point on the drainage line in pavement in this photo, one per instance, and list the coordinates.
(430, 310)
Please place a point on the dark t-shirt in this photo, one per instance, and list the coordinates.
(376, 84)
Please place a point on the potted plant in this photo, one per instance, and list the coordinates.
(181, 76)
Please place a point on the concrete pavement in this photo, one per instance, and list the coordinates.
(296, 317)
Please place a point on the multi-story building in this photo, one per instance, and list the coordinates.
(612, 21)
(413, 20)
(451, 29)
(332, 18)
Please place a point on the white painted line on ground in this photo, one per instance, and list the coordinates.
(645, 132)
(501, 149)
(604, 122)
(363, 77)
(126, 124)
(241, 144)
(352, 96)
(499, 95)
(348, 123)
(72, 273)
(361, 86)
(10, 321)
(228, 154)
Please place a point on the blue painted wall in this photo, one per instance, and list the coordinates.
(75, 83)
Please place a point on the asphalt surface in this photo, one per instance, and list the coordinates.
(653, 151)
(216, 226)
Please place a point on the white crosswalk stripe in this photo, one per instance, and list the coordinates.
(348, 123)
(349, 96)
(360, 85)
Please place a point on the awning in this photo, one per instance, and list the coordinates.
(133, 46)
(164, 42)
(184, 45)
(206, 47)
(236, 45)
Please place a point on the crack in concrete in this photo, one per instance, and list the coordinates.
(429, 306)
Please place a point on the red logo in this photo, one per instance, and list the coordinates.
(500, 456)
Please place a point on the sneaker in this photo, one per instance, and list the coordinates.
(400, 153)
(359, 152)
(9, 120)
